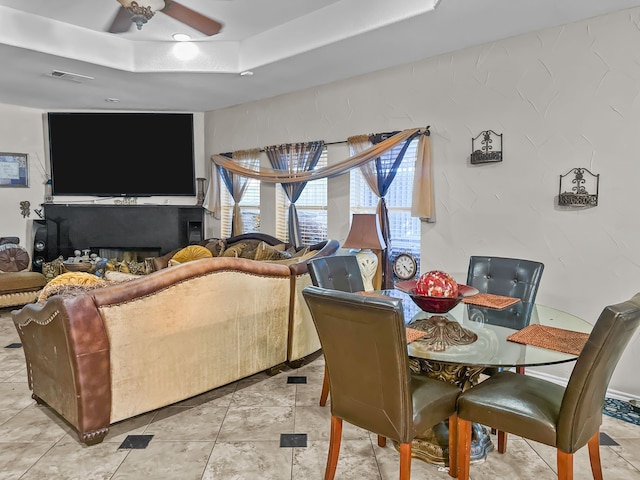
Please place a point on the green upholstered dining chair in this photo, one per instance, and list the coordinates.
(510, 277)
(567, 418)
(363, 337)
(338, 272)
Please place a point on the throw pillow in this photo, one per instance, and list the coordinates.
(71, 283)
(136, 268)
(115, 265)
(292, 260)
(216, 246)
(268, 252)
(118, 277)
(14, 240)
(192, 252)
(301, 253)
(158, 263)
(14, 258)
(249, 250)
(234, 250)
(53, 268)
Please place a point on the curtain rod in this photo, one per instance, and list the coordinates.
(426, 132)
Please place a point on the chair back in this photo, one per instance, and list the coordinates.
(581, 410)
(337, 272)
(511, 277)
(364, 342)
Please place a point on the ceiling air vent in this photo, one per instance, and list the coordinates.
(74, 77)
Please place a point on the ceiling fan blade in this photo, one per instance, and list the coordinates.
(192, 18)
(121, 22)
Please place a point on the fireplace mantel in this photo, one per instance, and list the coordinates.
(157, 228)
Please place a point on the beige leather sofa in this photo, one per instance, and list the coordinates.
(107, 354)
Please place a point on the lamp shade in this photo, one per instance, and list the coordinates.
(365, 232)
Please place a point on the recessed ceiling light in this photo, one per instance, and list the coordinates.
(246, 73)
(112, 100)
(181, 37)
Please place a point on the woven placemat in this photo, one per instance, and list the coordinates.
(490, 300)
(413, 334)
(553, 338)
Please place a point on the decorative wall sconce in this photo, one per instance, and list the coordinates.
(578, 195)
(487, 151)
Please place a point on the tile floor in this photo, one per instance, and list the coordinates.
(236, 433)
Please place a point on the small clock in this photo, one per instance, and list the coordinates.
(405, 266)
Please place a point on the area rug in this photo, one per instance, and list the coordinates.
(621, 410)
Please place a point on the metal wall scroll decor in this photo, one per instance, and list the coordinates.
(489, 149)
(575, 191)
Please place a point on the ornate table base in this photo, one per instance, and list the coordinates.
(433, 445)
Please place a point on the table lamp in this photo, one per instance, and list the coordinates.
(366, 235)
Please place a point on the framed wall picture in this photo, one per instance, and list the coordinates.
(14, 170)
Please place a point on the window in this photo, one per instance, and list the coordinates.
(249, 208)
(311, 207)
(404, 229)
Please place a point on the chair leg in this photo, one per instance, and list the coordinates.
(453, 446)
(325, 388)
(594, 456)
(502, 441)
(382, 441)
(565, 465)
(464, 448)
(334, 448)
(405, 461)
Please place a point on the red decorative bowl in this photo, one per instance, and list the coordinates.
(434, 304)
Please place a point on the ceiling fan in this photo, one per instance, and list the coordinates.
(141, 11)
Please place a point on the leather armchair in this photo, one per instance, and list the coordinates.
(365, 347)
(565, 418)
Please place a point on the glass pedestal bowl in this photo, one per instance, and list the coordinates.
(434, 304)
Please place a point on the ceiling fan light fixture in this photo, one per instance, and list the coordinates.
(181, 37)
(142, 11)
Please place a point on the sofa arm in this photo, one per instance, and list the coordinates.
(68, 366)
(323, 249)
(263, 237)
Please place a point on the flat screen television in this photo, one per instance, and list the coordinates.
(121, 154)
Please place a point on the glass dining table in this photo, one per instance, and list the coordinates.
(465, 341)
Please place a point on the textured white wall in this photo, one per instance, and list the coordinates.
(563, 97)
(21, 131)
